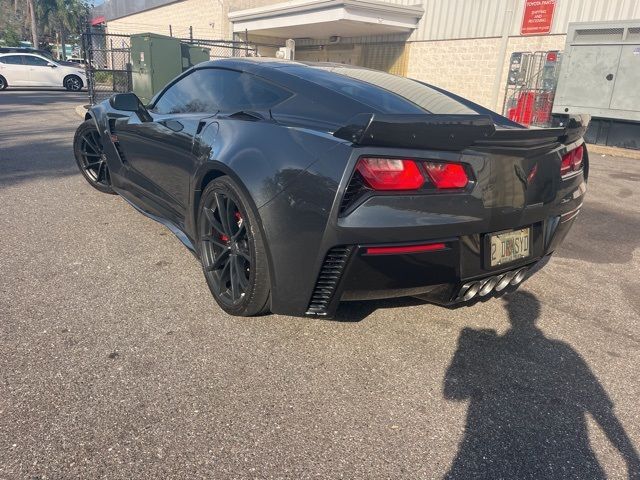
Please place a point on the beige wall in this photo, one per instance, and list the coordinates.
(468, 67)
(207, 17)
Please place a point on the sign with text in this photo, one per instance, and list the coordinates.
(537, 18)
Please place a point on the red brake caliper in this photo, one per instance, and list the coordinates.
(238, 217)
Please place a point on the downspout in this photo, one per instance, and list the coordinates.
(502, 53)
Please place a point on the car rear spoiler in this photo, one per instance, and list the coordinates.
(454, 132)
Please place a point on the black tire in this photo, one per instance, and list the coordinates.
(91, 160)
(3, 83)
(232, 250)
(72, 83)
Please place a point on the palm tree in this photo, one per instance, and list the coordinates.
(61, 17)
(34, 23)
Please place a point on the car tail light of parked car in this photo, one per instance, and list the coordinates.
(405, 174)
(572, 161)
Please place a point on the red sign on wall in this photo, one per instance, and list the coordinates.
(537, 18)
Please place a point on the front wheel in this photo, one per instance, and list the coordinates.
(73, 83)
(232, 250)
(90, 157)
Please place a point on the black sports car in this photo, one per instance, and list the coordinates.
(302, 185)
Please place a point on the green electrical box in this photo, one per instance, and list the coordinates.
(192, 55)
(155, 61)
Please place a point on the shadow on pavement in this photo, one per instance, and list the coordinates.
(602, 227)
(529, 396)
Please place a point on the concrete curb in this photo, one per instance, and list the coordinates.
(613, 151)
(81, 110)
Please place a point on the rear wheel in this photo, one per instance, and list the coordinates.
(73, 83)
(90, 157)
(3, 83)
(232, 250)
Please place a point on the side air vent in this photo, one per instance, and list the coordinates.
(114, 140)
(355, 190)
(328, 280)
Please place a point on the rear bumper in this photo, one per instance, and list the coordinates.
(440, 277)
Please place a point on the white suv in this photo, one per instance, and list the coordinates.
(33, 70)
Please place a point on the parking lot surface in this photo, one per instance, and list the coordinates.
(115, 361)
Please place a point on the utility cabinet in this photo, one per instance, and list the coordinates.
(193, 55)
(600, 72)
(155, 61)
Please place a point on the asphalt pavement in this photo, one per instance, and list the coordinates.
(115, 362)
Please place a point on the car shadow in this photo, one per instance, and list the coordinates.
(356, 311)
(529, 397)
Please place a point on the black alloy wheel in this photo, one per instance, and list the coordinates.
(232, 250)
(91, 158)
(73, 83)
(3, 83)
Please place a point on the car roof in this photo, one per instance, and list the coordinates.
(380, 91)
(33, 54)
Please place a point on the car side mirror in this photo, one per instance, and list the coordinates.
(129, 102)
(52, 65)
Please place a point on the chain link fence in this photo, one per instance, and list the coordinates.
(109, 65)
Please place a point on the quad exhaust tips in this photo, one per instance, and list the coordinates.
(497, 283)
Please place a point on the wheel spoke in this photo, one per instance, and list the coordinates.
(244, 254)
(223, 277)
(242, 279)
(218, 262)
(213, 221)
(230, 211)
(93, 164)
(222, 213)
(99, 171)
(234, 279)
(89, 154)
(241, 229)
(90, 143)
(214, 240)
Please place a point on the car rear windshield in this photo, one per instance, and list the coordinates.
(382, 91)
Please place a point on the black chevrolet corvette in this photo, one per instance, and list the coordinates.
(302, 185)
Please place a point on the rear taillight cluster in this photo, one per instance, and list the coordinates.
(389, 174)
(572, 161)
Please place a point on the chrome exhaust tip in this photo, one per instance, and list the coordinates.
(472, 291)
(488, 286)
(504, 281)
(519, 276)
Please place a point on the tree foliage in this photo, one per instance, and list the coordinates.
(53, 21)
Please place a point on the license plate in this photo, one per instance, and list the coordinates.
(509, 246)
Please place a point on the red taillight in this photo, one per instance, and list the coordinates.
(447, 175)
(390, 173)
(403, 174)
(403, 249)
(572, 161)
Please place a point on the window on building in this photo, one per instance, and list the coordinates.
(211, 90)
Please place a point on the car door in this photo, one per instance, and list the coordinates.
(42, 72)
(158, 151)
(161, 151)
(13, 69)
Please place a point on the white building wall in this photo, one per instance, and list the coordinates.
(454, 19)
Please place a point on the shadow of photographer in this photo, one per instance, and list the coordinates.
(528, 400)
